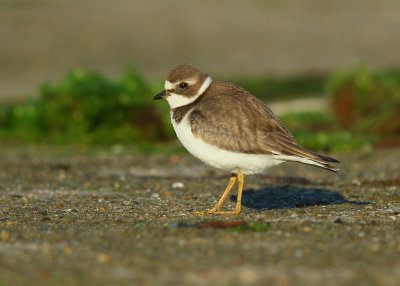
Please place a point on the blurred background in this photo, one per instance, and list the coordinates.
(84, 72)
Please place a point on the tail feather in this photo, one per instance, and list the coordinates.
(326, 158)
(326, 167)
(313, 159)
(324, 161)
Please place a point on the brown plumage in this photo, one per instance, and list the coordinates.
(253, 129)
(226, 127)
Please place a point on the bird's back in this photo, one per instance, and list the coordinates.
(230, 117)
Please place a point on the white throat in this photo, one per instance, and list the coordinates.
(176, 100)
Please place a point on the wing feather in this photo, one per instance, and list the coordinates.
(246, 125)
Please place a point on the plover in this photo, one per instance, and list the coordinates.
(228, 128)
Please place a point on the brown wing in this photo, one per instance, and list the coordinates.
(236, 121)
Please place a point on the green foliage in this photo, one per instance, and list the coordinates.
(85, 107)
(283, 88)
(309, 121)
(336, 141)
(88, 108)
(321, 131)
(365, 102)
(365, 111)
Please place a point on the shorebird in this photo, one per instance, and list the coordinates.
(230, 129)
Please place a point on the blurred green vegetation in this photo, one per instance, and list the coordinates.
(321, 131)
(367, 102)
(87, 108)
(365, 109)
(284, 88)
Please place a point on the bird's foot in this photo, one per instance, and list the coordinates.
(217, 212)
(204, 212)
(235, 212)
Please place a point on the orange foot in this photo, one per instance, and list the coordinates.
(217, 212)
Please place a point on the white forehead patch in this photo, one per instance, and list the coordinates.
(176, 100)
(168, 85)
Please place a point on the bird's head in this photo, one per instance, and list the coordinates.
(184, 85)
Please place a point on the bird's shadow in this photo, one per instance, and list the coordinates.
(279, 197)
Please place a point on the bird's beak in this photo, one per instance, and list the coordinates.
(160, 95)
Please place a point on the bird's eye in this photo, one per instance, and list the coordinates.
(183, 85)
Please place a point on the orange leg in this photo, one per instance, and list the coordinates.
(217, 208)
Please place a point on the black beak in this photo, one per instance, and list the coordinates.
(160, 95)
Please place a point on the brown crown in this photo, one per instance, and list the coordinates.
(185, 72)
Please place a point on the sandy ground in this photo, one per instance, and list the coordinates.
(43, 40)
(71, 216)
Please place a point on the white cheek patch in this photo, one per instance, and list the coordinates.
(176, 100)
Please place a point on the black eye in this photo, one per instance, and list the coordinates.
(183, 85)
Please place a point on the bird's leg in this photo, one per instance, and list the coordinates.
(238, 175)
(218, 205)
(238, 207)
(240, 178)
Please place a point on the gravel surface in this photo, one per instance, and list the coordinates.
(73, 216)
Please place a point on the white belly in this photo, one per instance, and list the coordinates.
(218, 158)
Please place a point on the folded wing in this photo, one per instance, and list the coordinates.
(254, 129)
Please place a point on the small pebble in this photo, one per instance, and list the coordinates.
(375, 247)
(178, 185)
(103, 258)
(298, 253)
(41, 212)
(67, 250)
(5, 235)
(337, 220)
